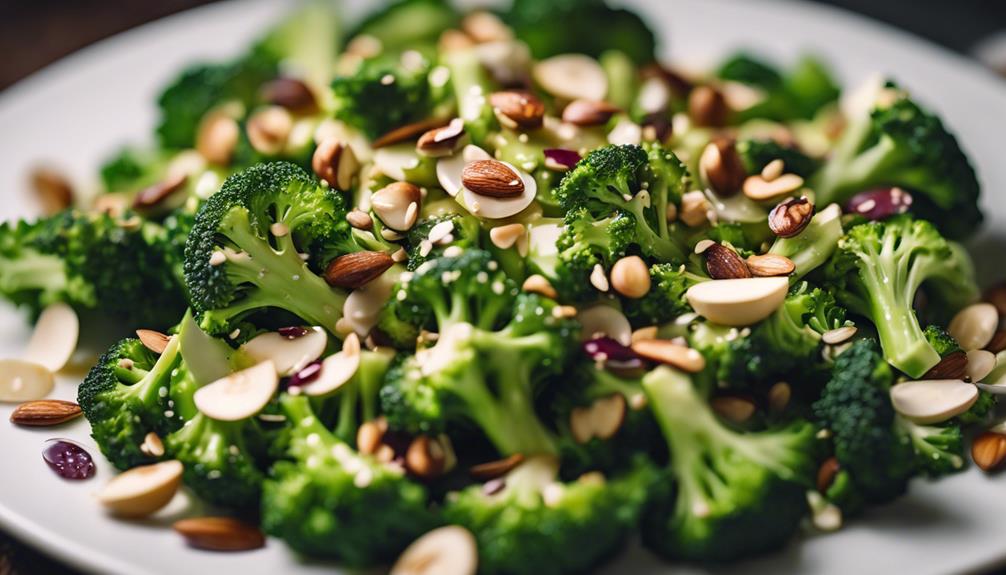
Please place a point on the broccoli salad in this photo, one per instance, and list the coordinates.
(468, 292)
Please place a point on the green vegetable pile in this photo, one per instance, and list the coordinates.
(551, 377)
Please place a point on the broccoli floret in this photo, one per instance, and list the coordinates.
(814, 245)
(326, 500)
(666, 298)
(756, 154)
(799, 94)
(728, 494)
(584, 243)
(471, 83)
(939, 449)
(533, 516)
(534, 22)
(357, 400)
(493, 345)
(244, 252)
(898, 143)
(856, 407)
(124, 397)
(941, 340)
(465, 233)
(634, 182)
(408, 24)
(382, 95)
(131, 168)
(877, 270)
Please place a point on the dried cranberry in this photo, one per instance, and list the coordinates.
(879, 203)
(608, 349)
(293, 331)
(307, 374)
(562, 157)
(68, 460)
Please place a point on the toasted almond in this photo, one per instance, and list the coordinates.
(54, 339)
(24, 381)
(239, 395)
(335, 162)
(505, 236)
(497, 468)
(268, 130)
(649, 332)
(996, 295)
(492, 178)
(538, 284)
(425, 457)
(581, 424)
(517, 109)
(447, 550)
(758, 189)
(408, 132)
(738, 302)
(953, 366)
(733, 408)
(791, 216)
(608, 415)
(694, 208)
(357, 269)
(392, 204)
(220, 534)
(290, 93)
(721, 167)
(287, 354)
(826, 474)
(152, 445)
(998, 342)
(723, 263)
(143, 490)
(666, 351)
(604, 320)
(370, 436)
(779, 395)
(572, 76)
(838, 335)
(988, 450)
(630, 277)
(155, 341)
(707, 107)
(441, 141)
(52, 189)
(44, 412)
(157, 196)
(974, 326)
(360, 220)
(588, 112)
(933, 400)
(770, 265)
(980, 364)
(217, 137)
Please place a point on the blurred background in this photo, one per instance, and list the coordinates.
(54, 28)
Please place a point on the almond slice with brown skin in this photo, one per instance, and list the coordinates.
(155, 341)
(953, 366)
(497, 468)
(673, 354)
(517, 109)
(44, 413)
(220, 534)
(356, 269)
(988, 450)
(588, 112)
(450, 550)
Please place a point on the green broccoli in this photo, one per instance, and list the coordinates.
(381, 95)
(728, 494)
(324, 499)
(465, 233)
(666, 298)
(898, 143)
(586, 242)
(408, 24)
(941, 340)
(131, 168)
(756, 154)
(814, 245)
(634, 182)
(357, 400)
(878, 268)
(244, 252)
(797, 95)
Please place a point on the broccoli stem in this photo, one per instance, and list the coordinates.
(829, 182)
(658, 246)
(471, 90)
(45, 273)
(147, 389)
(814, 245)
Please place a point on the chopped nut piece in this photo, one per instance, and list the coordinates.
(773, 170)
(442, 141)
(599, 279)
(394, 205)
(588, 112)
(694, 209)
(733, 408)
(505, 236)
(989, 450)
(666, 351)
(220, 534)
(517, 109)
(779, 395)
(494, 469)
(483, 26)
(360, 220)
(758, 189)
(268, 130)
(217, 137)
(791, 216)
(538, 284)
(408, 132)
(335, 163)
(425, 458)
(826, 474)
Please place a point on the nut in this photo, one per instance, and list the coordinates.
(980, 364)
(599, 278)
(494, 469)
(988, 450)
(759, 189)
(54, 338)
(44, 412)
(739, 302)
(673, 354)
(217, 138)
(52, 190)
(953, 366)
(733, 408)
(220, 534)
(482, 27)
(769, 265)
(630, 277)
(571, 76)
(335, 163)
(588, 112)
(974, 326)
(442, 141)
(152, 445)
(517, 109)
(707, 107)
(826, 474)
(838, 335)
(538, 284)
(360, 220)
(426, 458)
(505, 236)
(933, 400)
(779, 395)
(408, 132)
(370, 435)
(694, 208)
(773, 170)
(24, 381)
(143, 490)
(290, 93)
(723, 263)
(996, 295)
(268, 130)
(998, 342)
(601, 419)
(393, 202)
(791, 216)
(721, 167)
(492, 178)
(450, 550)
(155, 341)
(452, 40)
(153, 197)
(357, 269)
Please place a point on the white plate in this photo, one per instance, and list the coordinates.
(77, 111)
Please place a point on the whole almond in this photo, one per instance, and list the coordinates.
(155, 341)
(826, 474)
(52, 189)
(44, 412)
(723, 263)
(335, 163)
(220, 534)
(497, 468)
(492, 178)
(707, 107)
(998, 342)
(989, 450)
(408, 132)
(588, 112)
(733, 408)
(996, 295)
(770, 265)
(425, 457)
(441, 141)
(791, 216)
(953, 366)
(517, 109)
(154, 196)
(290, 93)
(356, 269)
(721, 166)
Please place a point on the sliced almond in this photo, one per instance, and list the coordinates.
(24, 381)
(539, 285)
(974, 326)
(392, 204)
(441, 141)
(604, 320)
(450, 550)
(758, 189)
(572, 76)
(360, 220)
(733, 408)
(694, 208)
(838, 335)
(609, 414)
(44, 412)
(599, 278)
(363, 306)
(933, 400)
(152, 445)
(779, 395)
(980, 364)
(335, 162)
(770, 265)
(141, 491)
(588, 112)
(630, 277)
(625, 132)
(666, 351)
(738, 302)
(240, 395)
(157, 196)
(988, 450)
(155, 341)
(408, 132)
(492, 178)
(495, 207)
(953, 366)
(370, 435)
(505, 236)
(356, 269)
(723, 263)
(337, 369)
(55, 337)
(497, 468)
(220, 534)
(287, 354)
